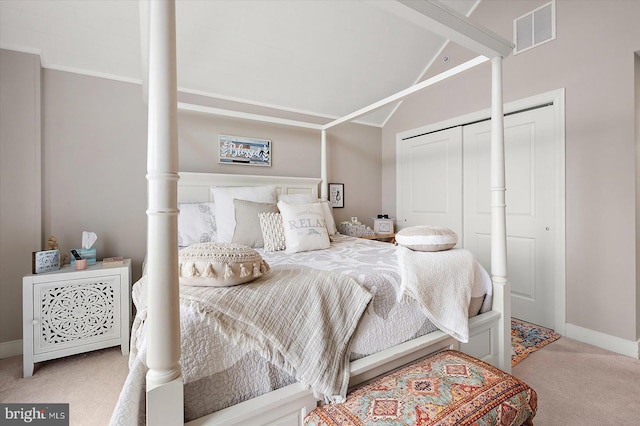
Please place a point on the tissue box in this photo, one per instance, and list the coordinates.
(89, 254)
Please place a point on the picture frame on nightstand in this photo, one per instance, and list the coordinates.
(383, 226)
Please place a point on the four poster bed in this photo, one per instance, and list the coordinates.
(156, 347)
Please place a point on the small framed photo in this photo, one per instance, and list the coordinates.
(383, 226)
(45, 261)
(336, 195)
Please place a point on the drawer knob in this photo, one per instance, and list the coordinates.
(34, 322)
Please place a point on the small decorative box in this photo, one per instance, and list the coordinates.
(354, 230)
(89, 254)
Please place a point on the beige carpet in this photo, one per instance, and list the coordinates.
(581, 385)
(89, 382)
(577, 384)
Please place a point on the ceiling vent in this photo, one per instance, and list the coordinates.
(535, 28)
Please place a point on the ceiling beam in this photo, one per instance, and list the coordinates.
(439, 19)
(408, 91)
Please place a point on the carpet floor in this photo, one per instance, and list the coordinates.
(577, 384)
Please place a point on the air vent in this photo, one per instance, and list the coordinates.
(535, 28)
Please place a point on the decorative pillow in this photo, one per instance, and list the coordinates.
(304, 227)
(223, 198)
(328, 217)
(196, 223)
(272, 232)
(248, 230)
(219, 265)
(427, 238)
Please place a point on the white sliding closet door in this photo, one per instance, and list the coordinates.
(430, 189)
(530, 199)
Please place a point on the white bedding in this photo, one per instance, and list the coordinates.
(218, 374)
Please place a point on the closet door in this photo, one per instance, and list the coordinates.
(430, 184)
(530, 199)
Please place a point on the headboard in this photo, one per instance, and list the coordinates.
(196, 187)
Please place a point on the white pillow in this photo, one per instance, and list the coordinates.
(225, 212)
(427, 238)
(272, 232)
(196, 223)
(328, 217)
(310, 198)
(219, 265)
(304, 227)
(248, 232)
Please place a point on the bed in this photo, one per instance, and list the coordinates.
(211, 363)
(489, 332)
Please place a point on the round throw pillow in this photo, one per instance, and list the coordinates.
(427, 238)
(219, 264)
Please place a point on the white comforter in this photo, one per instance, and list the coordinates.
(218, 374)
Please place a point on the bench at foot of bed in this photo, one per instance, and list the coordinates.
(446, 388)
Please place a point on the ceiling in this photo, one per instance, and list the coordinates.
(325, 58)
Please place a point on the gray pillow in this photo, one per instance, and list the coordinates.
(248, 231)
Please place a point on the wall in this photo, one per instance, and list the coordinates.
(637, 119)
(593, 58)
(353, 152)
(19, 186)
(94, 137)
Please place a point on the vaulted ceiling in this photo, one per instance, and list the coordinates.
(325, 58)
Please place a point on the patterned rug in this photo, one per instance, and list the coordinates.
(527, 338)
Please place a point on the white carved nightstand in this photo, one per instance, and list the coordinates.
(68, 312)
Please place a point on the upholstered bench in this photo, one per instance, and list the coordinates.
(448, 388)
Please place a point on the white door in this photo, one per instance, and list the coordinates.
(430, 187)
(530, 199)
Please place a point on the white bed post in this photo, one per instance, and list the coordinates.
(164, 378)
(502, 289)
(324, 185)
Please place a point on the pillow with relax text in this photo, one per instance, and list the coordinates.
(304, 225)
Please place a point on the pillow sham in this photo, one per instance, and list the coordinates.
(427, 238)
(272, 232)
(196, 223)
(332, 229)
(310, 198)
(248, 231)
(225, 212)
(304, 227)
(219, 265)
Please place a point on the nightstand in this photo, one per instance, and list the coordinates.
(68, 312)
(387, 238)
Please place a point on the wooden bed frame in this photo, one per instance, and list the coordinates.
(490, 332)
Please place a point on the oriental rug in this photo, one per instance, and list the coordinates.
(527, 338)
(448, 388)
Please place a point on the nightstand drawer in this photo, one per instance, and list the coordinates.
(72, 312)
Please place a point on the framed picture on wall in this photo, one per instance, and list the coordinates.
(336, 195)
(241, 150)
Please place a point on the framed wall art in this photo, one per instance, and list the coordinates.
(246, 151)
(336, 195)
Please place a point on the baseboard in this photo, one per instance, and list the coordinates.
(604, 341)
(9, 349)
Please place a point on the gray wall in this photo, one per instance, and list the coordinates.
(593, 58)
(94, 165)
(19, 183)
(637, 119)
